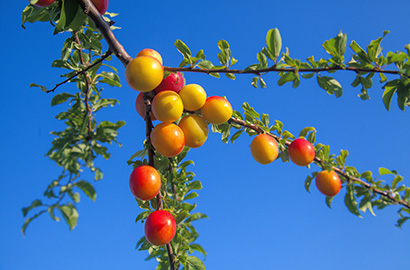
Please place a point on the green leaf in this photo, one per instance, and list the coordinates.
(350, 200)
(287, 77)
(28, 220)
(195, 185)
(304, 132)
(142, 216)
(70, 214)
(33, 205)
(331, 85)
(195, 263)
(181, 216)
(110, 78)
(236, 135)
(263, 61)
(32, 14)
(183, 49)
(195, 216)
(61, 98)
(384, 171)
(87, 188)
(71, 17)
(274, 42)
(205, 64)
(43, 88)
(191, 195)
(390, 88)
(308, 182)
(198, 248)
(329, 201)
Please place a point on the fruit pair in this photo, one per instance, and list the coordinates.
(145, 184)
(265, 150)
(169, 139)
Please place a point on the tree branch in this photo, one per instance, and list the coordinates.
(148, 96)
(275, 69)
(106, 31)
(321, 162)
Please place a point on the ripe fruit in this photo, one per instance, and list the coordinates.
(152, 53)
(195, 130)
(144, 73)
(264, 149)
(301, 152)
(168, 139)
(101, 5)
(328, 182)
(216, 110)
(193, 96)
(140, 106)
(145, 182)
(167, 106)
(41, 3)
(173, 82)
(160, 227)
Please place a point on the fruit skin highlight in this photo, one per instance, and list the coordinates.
(160, 228)
(193, 96)
(168, 139)
(101, 5)
(195, 130)
(173, 82)
(167, 106)
(264, 149)
(152, 53)
(216, 110)
(144, 73)
(41, 3)
(145, 182)
(301, 152)
(328, 183)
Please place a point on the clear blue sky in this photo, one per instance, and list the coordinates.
(261, 217)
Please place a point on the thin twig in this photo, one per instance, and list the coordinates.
(105, 56)
(88, 110)
(321, 162)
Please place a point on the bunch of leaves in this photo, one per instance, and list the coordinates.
(84, 138)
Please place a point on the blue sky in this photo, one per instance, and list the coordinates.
(260, 217)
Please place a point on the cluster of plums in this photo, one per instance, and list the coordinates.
(172, 98)
(265, 150)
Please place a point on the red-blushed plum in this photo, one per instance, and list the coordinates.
(301, 152)
(145, 182)
(160, 227)
(173, 82)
